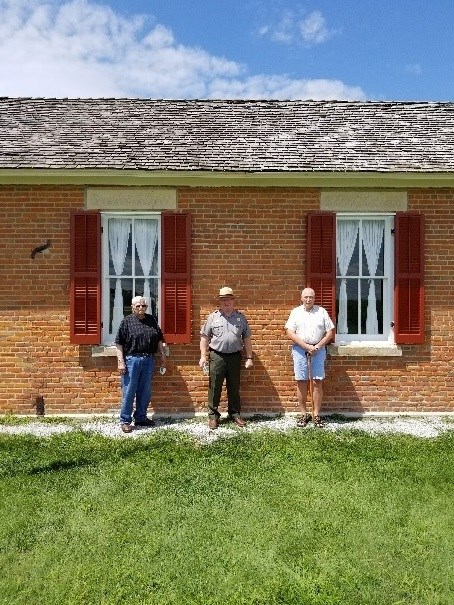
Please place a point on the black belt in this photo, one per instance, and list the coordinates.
(226, 354)
(140, 355)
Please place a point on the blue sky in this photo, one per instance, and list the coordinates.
(313, 49)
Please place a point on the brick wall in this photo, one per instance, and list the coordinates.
(251, 239)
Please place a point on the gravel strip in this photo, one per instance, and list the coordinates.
(421, 426)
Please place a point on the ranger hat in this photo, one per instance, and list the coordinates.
(226, 291)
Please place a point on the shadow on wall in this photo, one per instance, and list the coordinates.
(172, 391)
(258, 389)
(339, 391)
(363, 383)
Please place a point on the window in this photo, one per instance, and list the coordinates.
(364, 277)
(130, 267)
(118, 256)
(369, 274)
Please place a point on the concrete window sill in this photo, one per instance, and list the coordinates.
(111, 351)
(104, 351)
(364, 350)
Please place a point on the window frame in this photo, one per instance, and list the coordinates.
(388, 280)
(108, 338)
(409, 271)
(85, 277)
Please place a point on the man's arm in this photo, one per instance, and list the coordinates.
(204, 342)
(311, 349)
(247, 341)
(121, 359)
(329, 336)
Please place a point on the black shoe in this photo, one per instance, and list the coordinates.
(146, 422)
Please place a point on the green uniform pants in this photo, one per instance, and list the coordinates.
(224, 367)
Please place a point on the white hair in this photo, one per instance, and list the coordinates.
(138, 299)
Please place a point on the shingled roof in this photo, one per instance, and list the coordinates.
(226, 136)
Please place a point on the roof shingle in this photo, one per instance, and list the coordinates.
(229, 136)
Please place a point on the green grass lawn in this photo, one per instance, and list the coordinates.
(307, 517)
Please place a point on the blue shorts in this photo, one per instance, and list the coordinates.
(300, 363)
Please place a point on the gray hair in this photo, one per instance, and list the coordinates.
(139, 299)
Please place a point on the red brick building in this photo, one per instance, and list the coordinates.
(178, 198)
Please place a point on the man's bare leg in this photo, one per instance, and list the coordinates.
(301, 393)
(317, 392)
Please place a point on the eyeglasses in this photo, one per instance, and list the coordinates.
(144, 306)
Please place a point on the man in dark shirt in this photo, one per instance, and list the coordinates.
(138, 339)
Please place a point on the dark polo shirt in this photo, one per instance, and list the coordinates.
(139, 336)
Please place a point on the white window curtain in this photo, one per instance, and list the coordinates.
(372, 241)
(146, 235)
(346, 236)
(119, 230)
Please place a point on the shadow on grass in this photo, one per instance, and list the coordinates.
(29, 455)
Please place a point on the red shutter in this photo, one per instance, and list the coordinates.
(176, 277)
(409, 278)
(85, 274)
(321, 259)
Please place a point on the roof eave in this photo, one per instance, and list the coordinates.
(200, 178)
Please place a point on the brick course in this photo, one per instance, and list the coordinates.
(249, 238)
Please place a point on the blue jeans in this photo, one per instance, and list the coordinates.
(136, 383)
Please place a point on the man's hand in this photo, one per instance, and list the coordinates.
(121, 367)
(248, 363)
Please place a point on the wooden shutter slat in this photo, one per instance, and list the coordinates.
(321, 259)
(85, 275)
(176, 277)
(409, 278)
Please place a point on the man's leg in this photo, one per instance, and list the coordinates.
(144, 387)
(217, 376)
(301, 371)
(233, 385)
(301, 394)
(318, 395)
(128, 388)
(318, 374)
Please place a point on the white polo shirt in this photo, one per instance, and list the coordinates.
(311, 325)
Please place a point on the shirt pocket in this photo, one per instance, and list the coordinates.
(237, 329)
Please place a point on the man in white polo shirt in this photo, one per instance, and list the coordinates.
(310, 328)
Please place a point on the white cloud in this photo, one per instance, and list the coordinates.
(292, 28)
(313, 28)
(283, 31)
(281, 87)
(415, 69)
(78, 48)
